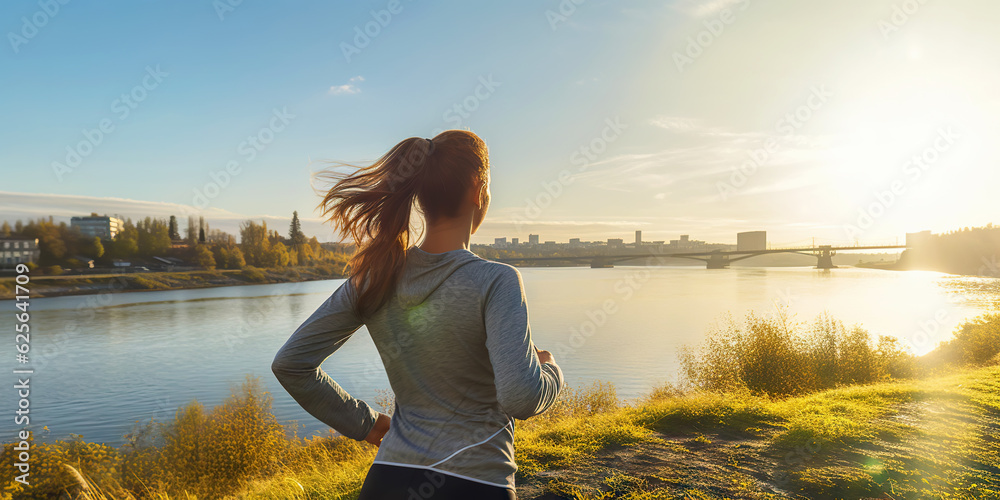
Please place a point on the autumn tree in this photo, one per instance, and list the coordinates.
(254, 242)
(229, 257)
(203, 257)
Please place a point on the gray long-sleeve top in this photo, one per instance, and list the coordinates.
(457, 349)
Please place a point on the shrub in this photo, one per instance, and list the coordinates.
(197, 454)
(254, 274)
(976, 342)
(774, 356)
(203, 257)
(326, 269)
(210, 454)
(50, 478)
(229, 257)
(898, 363)
(53, 270)
(760, 355)
(144, 283)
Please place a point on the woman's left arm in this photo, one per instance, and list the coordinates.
(297, 367)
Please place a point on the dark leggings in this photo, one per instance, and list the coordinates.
(392, 482)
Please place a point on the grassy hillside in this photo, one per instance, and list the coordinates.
(920, 439)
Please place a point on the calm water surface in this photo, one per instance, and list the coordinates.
(103, 362)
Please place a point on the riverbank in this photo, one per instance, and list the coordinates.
(928, 438)
(55, 286)
(919, 428)
(884, 266)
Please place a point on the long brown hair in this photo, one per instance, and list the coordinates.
(374, 204)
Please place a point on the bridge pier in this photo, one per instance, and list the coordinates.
(718, 261)
(825, 258)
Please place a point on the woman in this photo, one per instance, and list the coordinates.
(451, 328)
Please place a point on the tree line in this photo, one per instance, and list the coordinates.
(64, 246)
(969, 251)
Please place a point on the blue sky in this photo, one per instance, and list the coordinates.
(602, 119)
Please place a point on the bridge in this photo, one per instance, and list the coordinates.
(715, 259)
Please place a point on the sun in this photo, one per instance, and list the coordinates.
(898, 142)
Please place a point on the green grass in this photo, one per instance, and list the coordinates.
(922, 439)
(851, 442)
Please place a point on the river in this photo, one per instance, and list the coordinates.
(103, 362)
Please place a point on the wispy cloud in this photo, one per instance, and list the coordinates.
(677, 123)
(704, 8)
(348, 88)
(686, 125)
(66, 205)
(781, 185)
(699, 155)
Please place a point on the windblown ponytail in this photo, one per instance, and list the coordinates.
(374, 204)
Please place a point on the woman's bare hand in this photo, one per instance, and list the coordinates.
(544, 356)
(381, 427)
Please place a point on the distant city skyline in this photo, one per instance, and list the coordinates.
(315, 227)
(843, 122)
